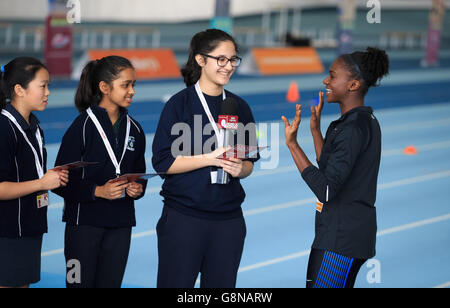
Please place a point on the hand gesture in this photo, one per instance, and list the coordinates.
(290, 130)
(316, 113)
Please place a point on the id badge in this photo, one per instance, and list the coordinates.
(124, 193)
(213, 177)
(319, 206)
(42, 200)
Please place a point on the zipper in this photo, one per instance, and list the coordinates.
(20, 203)
(79, 204)
(78, 214)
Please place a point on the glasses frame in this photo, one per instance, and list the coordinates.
(228, 60)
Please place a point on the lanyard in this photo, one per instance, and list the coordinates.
(208, 112)
(106, 141)
(39, 167)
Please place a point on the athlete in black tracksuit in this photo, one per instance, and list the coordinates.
(345, 182)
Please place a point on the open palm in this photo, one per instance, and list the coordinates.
(316, 113)
(290, 130)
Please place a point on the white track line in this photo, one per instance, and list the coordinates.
(442, 286)
(275, 261)
(414, 225)
(414, 180)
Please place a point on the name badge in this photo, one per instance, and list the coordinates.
(213, 177)
(42, 200)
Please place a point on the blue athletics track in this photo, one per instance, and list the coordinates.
(413, 207)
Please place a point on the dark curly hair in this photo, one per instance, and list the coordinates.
(369, 66)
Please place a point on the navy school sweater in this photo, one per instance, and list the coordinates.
(82, 142)
(20, 217)
(192, 193)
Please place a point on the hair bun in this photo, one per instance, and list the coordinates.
(376, 61)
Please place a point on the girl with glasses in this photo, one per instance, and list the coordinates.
(202, 228)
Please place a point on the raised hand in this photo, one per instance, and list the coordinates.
(290, 130)
(316, 113)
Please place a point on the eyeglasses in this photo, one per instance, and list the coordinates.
(222, 61)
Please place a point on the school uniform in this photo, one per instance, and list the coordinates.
(202, 228)
(96, 228)
(22, 223)
(346, 184)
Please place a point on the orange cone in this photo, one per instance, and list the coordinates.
(410, 150)
(293, 95)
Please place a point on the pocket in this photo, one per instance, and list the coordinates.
(321, 223)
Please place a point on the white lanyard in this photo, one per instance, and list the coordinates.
(106, 141)
(39, 167)
(208, 112)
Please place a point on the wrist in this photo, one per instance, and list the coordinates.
(98, 192)
(209, 159)
(40, 184)
(291, 144)
(315, 130)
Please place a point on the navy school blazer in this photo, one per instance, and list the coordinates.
(82, 142)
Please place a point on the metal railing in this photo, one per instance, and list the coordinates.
(28, 38)
(85, 37)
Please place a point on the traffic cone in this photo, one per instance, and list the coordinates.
(410, 150)
(293, 95)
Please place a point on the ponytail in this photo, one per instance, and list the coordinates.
(203, 43)
(106, 69)
(87, 92)
(192, 71)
